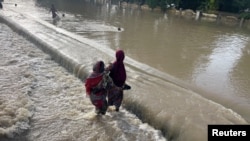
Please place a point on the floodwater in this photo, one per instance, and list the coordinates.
(207, 55)
(184, 73)
(40, 96)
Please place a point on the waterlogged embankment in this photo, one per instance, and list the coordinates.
(40, 100)
(178, 112)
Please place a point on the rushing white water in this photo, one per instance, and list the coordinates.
(39, 95)
(55, 108)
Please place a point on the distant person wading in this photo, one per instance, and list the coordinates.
(54, 11)
(1, 5)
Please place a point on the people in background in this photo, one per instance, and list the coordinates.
(1, 5)
(53, 11)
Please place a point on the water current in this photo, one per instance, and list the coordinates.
(40, 96)
(42, 101)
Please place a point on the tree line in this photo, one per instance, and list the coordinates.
(232, 6)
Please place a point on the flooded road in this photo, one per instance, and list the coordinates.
(211, 57)
(40, 100)
(52, 101)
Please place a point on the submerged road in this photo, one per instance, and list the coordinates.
(180, 113)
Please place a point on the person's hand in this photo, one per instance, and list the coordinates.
(109, 67)
(126, 87)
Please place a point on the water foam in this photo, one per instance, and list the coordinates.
(181, 113)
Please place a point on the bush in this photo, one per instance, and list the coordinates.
(245, 15)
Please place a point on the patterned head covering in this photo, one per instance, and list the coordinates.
(98, 67)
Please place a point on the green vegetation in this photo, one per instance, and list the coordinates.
(245, 15)
(233, 6)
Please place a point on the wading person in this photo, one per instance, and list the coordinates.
(1, 5)
(118, 75)
(53, 11)
(97, 85)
